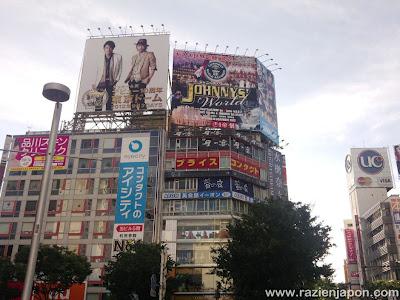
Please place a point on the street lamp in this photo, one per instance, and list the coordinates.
(58, 93)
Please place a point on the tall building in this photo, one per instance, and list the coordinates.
(369, 179)
(207, 159)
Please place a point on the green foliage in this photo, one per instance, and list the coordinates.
(382, 285)
(278, 245)
(7, 273)
(57, 269)
(131, 271)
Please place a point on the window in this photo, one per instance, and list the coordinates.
(105, 207)
(10, 208)
(57, 208)
(94, 278)
(26, 230)
(112, 145)
(79, 249)
(84, 186)
(102, 230)
(34, 187)
(15, 188)
(73, 147)
(86, 166)
(100, 252)
(6, 250)
(17, 173)
(30, 208)
(89, 146)
(78, 230)
(69, 168)
(7, 231)
(110, 165)
(108, 186)
(54, 230)
(81, 207)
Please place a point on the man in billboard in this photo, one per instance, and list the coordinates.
(142, 70)
(108, 74)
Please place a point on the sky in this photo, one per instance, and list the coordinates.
(338, 87)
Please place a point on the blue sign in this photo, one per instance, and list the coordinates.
(371, 162)
(197, 195)
(242, 190)
(135, 146)
(132, 193)
(214, 184)
(269, 130)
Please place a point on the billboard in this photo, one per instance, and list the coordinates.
(240, 165)
(395, 208)
(214, 90)
(368, 167)
(350, 246)
(275, 173)
(190, 163)
(397, 156)
(242, 190)
(124, 73)
(29, 153)
(267, 103)
(132, 188)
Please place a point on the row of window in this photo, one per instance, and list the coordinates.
(204, 207)
(58, 229)
(59, 207)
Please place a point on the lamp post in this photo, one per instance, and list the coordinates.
(58, 93)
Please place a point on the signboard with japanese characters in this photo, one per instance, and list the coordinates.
(29, 153)
(191, 163)
(212, 194)
(210, 144)
(350, 246)
(275, 170)
(132, 188)
(242, 190)
(242, 166)
(213, 183)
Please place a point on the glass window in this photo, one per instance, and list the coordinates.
(86, 165)
(57, 207)
(54, 230)
(108, 186)
(112, 145)
(34, 187)
(84, 186)
(26, 230)
(105, 207)
(81, 207)
(30, 208)
(73, 147)
(10, 208)
(15, 188)
(78, 230)
(110, 165)
(102, 230)
(89, 146)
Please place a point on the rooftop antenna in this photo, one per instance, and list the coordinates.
(90, 32)
(216, 47)
(152, 27)
(120, 29)
(131, 29)
(109, 28)
(175, 44)
(269, 59)
(142, 28)
(196, 46)
(205, 48)
(255, 52)
(185, 45)
(276, 69)
(274, 64)
(247, 49)
(163, 29)
(236, 50)
(226, 48)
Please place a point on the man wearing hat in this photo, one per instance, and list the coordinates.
(142, 70)
(108, 73)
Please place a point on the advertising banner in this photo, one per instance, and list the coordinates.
(397, 156)
(242, 190)
(124, 73)
(213, 183)
(368, 167)
(197, 195)
(29, 153)
(395, 208)
(242, 166)
(210, 144)
(188, 163)
(132, 188)
(275, 173)
(214, 90)
(350, 246)
(267, 103)
(241, 147)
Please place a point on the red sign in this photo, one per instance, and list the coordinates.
(187, 163)
(350, 246)
(130, 228)
(245, 167)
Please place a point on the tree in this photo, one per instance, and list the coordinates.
(57, 269)
(7, 274)
(131, 271)
(382, 285)
(278, 245)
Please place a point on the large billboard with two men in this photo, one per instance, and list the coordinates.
(124, 73)
(223, 91)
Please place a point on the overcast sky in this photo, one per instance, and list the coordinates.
(339, 87)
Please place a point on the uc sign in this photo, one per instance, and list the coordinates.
(371, 162)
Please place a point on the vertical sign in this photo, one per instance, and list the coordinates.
(275, 174)
(350, 246)
(395, 207)
(132, 190)
(397, 156)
